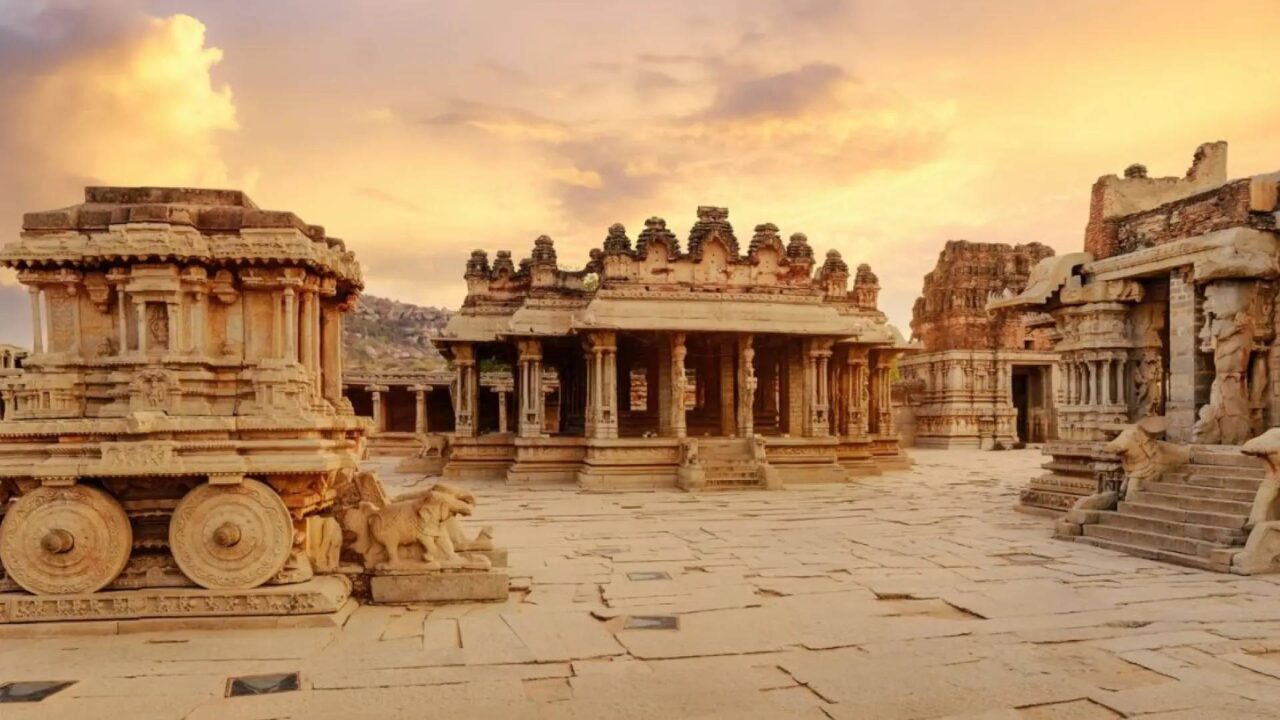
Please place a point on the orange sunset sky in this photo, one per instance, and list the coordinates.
(419, 130)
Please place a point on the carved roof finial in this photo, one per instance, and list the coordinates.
(617, 242)
(655, 230)
(503, 263)
(798, 248)
(712, 221)
(477, 264)
(544, 251)
(836, 264)
(766, 235)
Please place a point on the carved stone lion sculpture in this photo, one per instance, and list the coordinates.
(1143, 455)
(419, 531)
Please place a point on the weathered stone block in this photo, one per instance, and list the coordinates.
(439, 587)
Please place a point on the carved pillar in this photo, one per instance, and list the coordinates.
(379, 417)
(200, 322)
(886, 426)
(530, 400)
(140, 306)
(881, 402)
(171, 313)
(37, 325)
(305, 351)
(277, 326)
(290, 327)
(331, 352)
(855, 421)
(602, 385)
(1115, 380)
(316, 349)
(122, 319)
(502, 411)
(679, 385)
(815, 383)
(1082, 385)
(465, 390)
(747, 384)
(420, 408)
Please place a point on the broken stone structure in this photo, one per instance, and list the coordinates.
(981, 380)
(1168, 312)
(695, 364)
(178, 434)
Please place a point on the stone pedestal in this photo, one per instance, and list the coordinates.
(446, 586)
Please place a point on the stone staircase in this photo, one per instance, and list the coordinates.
(1193, 517)
(729, 464)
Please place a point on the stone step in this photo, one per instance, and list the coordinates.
(1225, 456)
(733, 449)
(721, 484)
(1190, 490)
(1185, 502)
(1194, 517)
(1194, 468)
(1214, 481)
(1154, 541)
(732, 477)
(1210, 533)
(1194, 561)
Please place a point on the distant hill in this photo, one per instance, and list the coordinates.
(386, 334)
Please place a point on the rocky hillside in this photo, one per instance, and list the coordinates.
(390, 335)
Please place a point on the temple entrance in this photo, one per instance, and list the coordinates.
(1030, 396)
(401, 409)
(568, 361)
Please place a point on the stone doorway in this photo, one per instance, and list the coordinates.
(1030, 394)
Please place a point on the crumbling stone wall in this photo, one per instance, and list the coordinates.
(1117, 202)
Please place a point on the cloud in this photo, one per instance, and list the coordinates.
(15, 308)
(391, 200)
(783, 94)
(101, 92)
(508, 123)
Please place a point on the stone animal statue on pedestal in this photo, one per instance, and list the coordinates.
(419, 531)
(1143, 455)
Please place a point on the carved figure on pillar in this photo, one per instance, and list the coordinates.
(1148, 380)
(1227, 333)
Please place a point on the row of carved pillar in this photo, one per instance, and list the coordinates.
(863, 388)
(1095, 379)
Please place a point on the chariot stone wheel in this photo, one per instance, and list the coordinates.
(65, 540)
(231, 537)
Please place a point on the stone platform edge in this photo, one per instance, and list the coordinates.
(195, 608)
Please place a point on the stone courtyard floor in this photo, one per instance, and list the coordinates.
(920, 594)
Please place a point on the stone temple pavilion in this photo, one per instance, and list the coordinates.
(694, 365)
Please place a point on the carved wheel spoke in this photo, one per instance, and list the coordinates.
(231, 536)
(65, 540)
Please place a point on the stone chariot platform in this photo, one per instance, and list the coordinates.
(322, 595)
